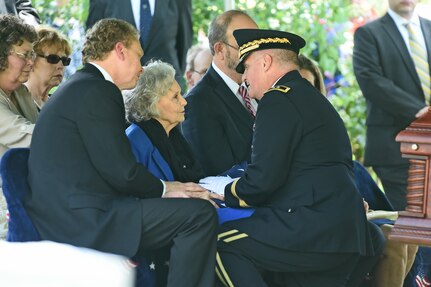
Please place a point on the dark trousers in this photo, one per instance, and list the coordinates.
(394, 181)
(366, 264)
(243, 261)
(189, 226)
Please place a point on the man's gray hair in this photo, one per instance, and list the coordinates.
(141, 102)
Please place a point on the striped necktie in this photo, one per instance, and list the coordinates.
(419, 55)
(244, 94)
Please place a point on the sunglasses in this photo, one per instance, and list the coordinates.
(54, 59)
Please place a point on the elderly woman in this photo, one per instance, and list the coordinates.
(17, 110)
(52, 56)
(154, 109)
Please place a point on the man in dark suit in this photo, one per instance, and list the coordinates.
(387, 75)
(87, 188)
(309, 220)
(21, 8)
(170, 33)
(218, 126)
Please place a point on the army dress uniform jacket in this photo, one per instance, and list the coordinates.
(300, 177)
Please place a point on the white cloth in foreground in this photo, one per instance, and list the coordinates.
(50, 264)
(216, 184)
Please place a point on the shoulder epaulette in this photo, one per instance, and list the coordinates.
(282, 89)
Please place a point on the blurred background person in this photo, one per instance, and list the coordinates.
(391, 61)
(18, 112)
(22, 9)
(310, 71)
(199, 59)
(52, 56)
(165, 27)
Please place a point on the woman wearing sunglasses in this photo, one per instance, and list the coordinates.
(52, 56)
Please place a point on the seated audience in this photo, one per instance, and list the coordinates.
(18, 112)
(53, 52)
(199, 59)
(88, 190)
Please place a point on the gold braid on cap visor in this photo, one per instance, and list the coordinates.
(250, 46)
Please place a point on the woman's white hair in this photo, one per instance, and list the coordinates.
(156, 80)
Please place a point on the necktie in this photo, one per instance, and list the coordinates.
(420, 59)
(244, 94)
(145, 22)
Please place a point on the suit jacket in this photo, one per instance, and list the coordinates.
(23, 9)
(300, 178)
(171, 32)
(84, 178)
(147, 154)
(387, 77)
(16, 123)
(217, 126)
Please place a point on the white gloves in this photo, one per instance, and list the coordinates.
(216, 184)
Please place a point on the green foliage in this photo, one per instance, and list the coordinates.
(203, 13)
(68, 16)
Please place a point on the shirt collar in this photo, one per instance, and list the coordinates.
(233, 86)
(104, 72)
(400, 21)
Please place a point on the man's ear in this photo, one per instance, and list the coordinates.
(267, 62)
(218, 49)
(120, 49)
(189, 77)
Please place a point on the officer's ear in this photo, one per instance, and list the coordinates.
(267, 62)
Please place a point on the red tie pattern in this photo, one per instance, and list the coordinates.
(244, 94)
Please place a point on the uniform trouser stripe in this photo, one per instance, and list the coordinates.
(221, 272)
(227, 233)
(236, 237)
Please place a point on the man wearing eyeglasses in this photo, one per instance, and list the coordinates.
(199, 59)
(218, 124)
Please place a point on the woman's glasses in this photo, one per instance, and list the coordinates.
(31, 55)
(54, 59)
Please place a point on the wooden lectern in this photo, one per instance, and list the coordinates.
(414, 224)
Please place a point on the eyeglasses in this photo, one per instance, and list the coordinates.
(201, 73)
(54, 59)
(31, 55)
(233, 47)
